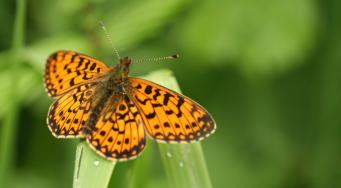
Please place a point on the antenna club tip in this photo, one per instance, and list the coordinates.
(175, 56)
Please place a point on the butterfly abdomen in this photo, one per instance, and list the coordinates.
(96, 111)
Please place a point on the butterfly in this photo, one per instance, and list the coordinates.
(115, 112)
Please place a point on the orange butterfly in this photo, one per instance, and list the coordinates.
(114, 112)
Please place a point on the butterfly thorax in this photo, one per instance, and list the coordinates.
(118, 75)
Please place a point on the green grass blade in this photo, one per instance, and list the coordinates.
(9, 128)
(184, 163)
(19, 25)
(8, 131)
(91, 170)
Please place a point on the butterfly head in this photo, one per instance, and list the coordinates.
(124, 66)
(118, 74)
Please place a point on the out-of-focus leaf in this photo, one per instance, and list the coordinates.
(5, 85)
(5, 59)
(23, 86)
(261, 36)
(138, 20)
(6, 19)
(29, 179)
(62, 16)
(37, 53)
(28, 85)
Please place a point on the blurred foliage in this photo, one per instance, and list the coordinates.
(268, 71)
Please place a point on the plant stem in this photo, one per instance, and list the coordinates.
(19, 26)
(8, 143)
(8, 133)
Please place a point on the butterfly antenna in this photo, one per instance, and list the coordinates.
(176, 56)
(107, 35)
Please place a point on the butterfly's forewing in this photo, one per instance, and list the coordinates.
(71, 111)
(119, 133)
(67, 69)
(169, 116)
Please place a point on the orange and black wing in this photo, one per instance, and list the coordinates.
(71, 111)
(119, 133)
(67, 69)
(169, 116)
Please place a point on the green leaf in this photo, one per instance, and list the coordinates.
(37, 53)
(10, 122)
(129, 27)
(91, 170)
(261, 37)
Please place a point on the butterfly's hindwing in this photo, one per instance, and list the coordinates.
(71, 111)
(119, 133)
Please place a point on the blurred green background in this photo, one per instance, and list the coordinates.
(269, 71)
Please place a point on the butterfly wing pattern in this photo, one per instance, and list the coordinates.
(70, 77)
(115, 115)
(70, 112)
(66, 69)
(170, 116)
(120, 133)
